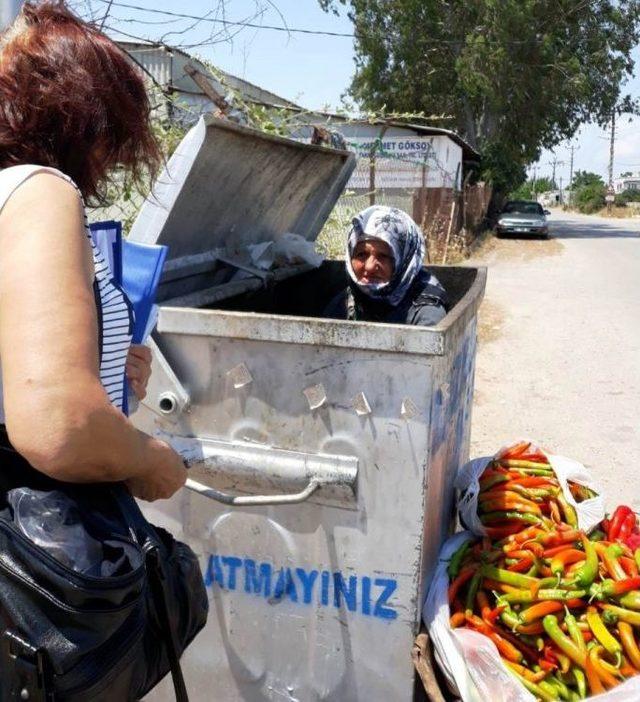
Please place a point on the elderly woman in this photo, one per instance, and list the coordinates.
(385, 251)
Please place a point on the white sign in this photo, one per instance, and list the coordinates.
(405, 162)
(610, 198)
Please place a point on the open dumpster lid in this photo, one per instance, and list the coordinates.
(228, 186)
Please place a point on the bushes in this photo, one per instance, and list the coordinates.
(626, 196)
(590, 198)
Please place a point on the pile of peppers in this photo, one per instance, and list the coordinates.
(562, 607)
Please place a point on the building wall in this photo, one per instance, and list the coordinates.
(623, 184)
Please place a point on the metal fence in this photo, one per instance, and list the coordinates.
(448, 216)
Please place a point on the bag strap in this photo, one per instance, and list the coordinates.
(156, 581)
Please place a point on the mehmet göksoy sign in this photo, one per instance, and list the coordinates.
(407, 161)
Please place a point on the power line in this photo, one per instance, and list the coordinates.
(231, 23)
(275, 28)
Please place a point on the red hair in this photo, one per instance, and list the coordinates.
(71, 99)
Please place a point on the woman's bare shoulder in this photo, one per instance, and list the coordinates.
(41, 191)
(44, 207)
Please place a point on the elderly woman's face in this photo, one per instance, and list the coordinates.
(372, 261)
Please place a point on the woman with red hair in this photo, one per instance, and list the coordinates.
(72, 109)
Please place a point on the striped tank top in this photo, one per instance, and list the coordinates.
(115, 314)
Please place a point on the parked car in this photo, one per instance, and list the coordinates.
(523, 217)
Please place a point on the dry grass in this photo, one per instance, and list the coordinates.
(619, 213)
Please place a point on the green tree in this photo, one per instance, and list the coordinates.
(629, 195)
(532, 188)
(512, 76)
(584, 178)
(590, 198)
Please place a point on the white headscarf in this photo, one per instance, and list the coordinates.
(404, 238)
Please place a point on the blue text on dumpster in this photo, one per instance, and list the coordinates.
(362, 594)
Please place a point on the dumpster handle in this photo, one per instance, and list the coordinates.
(252, 500)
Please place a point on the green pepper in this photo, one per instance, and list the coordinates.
(534, 494)
(581, 681)
(456, 560)
(506, 516)
(564, 643)
(561, 689)
(507, 577)
(570, 516)
(488, 483)
(624, 615)
(587, 572)
(636, 556)
(597, 535)
(526, 596)
(473, 591)
(508, 617)
(631, 600)
(535, 689)
(574, 630)
(525, 465)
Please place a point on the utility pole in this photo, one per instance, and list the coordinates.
(555, 163)
(561, 200)
(534, 195)
(612, 145)
(572, 149)
(9, 10)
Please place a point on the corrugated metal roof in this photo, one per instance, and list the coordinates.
(161, 72)
(245, 88)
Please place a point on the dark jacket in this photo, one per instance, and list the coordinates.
(425, 304)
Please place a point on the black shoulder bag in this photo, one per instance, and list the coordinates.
(70, 637)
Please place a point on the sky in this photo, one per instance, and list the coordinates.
(315, 70)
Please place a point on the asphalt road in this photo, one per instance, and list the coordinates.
(559, 348)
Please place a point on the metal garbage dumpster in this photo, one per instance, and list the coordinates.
(322, 451)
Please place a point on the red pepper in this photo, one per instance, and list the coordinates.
(555, 538)
(613, 588)
(555, 550)
(617, 520)
(500, 532)
(506, 648)
(628, 525)
(630, 566)
(609, 556)
(521, 566)
(460, 580)
(633, 540)
(515, 450)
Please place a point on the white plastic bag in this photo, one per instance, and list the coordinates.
(589, 512)
(293, 248)
(470, 661)
(286, 250)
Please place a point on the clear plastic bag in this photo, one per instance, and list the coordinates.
(52, 521)
(589, 512)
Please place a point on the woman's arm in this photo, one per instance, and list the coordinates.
(57, 413)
